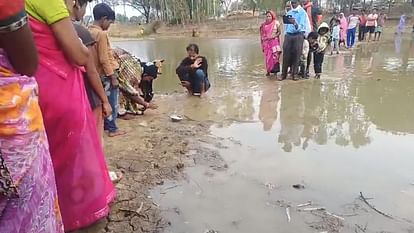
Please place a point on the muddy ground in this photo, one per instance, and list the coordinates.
(155, 149)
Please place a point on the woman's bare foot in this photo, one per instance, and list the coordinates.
(116, 134)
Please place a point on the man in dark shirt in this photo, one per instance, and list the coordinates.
(193, 72)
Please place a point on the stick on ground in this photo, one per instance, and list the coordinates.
(373, 207)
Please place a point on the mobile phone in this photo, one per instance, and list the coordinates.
(286, 19)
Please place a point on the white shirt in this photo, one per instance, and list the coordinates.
(353, 21)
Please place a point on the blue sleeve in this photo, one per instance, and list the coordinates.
(303, 24)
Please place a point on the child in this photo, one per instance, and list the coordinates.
(304, 59)
(336, 29)
(105, 62)
(319, 54)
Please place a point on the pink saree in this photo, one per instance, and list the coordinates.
(83, 184)
(344, 27)
(271, 44)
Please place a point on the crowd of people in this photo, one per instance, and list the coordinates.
(307, 38)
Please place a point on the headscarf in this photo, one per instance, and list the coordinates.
(273, 14)
(267, 26)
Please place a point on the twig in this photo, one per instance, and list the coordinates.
(335, 216)
(140, 208)
(132, 211)
(305, 204)
(288, 214)
(373, 207)
(314, 209)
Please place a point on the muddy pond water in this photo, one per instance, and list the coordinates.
(350, 132)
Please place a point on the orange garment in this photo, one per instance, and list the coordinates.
(104, 56)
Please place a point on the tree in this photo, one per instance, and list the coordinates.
(143, 6)
(226, 4)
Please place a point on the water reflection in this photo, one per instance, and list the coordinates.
(368, 89)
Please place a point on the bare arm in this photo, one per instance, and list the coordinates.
(21, 50)
(94, 78)
(73, 48)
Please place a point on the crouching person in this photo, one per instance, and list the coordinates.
(193, 72)
(135, 82)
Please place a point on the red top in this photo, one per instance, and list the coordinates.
(10, 8)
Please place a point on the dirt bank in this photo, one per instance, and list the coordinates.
(155, 149)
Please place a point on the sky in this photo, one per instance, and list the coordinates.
(119, 10)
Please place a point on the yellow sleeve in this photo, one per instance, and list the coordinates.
(47, 11)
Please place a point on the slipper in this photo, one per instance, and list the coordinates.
(115, 176)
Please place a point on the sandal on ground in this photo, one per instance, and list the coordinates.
(115, 176)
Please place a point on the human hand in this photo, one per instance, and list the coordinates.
(106, 109)
(197, 63)
(292, 21)
(114, 81)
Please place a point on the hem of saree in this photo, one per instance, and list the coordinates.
(93, 218)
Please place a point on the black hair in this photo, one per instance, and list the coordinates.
(313, 35)
(83, 2)
(102, 10)
(193, 47)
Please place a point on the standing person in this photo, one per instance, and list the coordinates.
(319, 54)
(84, 187)
(296, 27)
(269, 35)
(362, 26)
(371, 23)
(380, 27)
(353, 21)
(335, 37)
(344, 28)
(28, 196)
(96, 93)
(401, 25)
(314, 14)
(106, 64)
(193, 72)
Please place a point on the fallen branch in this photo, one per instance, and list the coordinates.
(373, 207)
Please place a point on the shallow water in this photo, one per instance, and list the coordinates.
(350, 132)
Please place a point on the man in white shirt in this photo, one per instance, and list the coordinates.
(353, 21)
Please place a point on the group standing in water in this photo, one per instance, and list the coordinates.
(306, 38)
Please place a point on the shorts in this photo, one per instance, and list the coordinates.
(370, 29)
(93, 98)
(378, 29)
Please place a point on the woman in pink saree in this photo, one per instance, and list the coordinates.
(344, 28)
(83, 184)
(269, 35)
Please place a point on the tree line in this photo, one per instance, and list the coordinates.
(197, 11)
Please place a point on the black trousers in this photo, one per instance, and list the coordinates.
(292, 50)
(361, 32)
(318, 62)
(308, 62)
